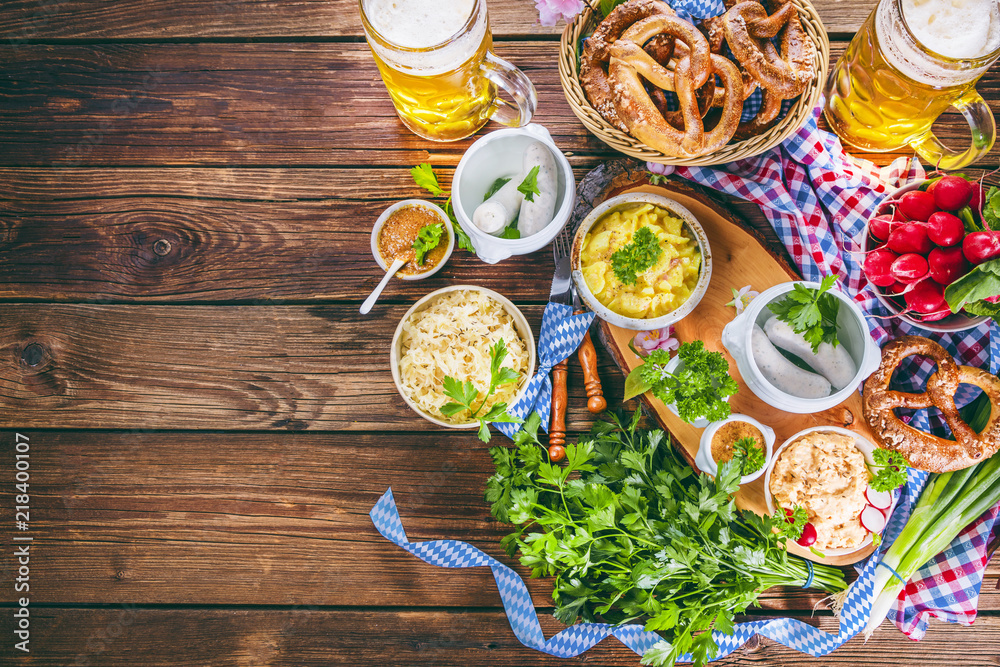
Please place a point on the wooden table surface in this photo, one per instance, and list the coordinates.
(186, 193)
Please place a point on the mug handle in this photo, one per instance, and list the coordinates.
(977, 113)
(518, 86)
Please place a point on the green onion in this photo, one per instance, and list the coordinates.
(949, 502)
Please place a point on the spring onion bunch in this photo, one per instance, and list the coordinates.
(949, 502)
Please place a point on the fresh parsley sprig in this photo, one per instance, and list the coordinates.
(529, 186)
(751, 454)
(423, 175)
(427, 239)
(697, 388)
(632, 259)
(790, 525)
(811, 312)
(889, 471)
(464, 394)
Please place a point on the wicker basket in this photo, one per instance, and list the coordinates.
(612, 136)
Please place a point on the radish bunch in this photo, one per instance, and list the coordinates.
(920, 243)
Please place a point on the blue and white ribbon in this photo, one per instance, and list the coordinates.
(576, 639)
(561, 334)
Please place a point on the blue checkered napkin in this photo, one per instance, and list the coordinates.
(578, 638)
(691, 10)
(561, 334)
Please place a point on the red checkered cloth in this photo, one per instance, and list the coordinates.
(818, 199)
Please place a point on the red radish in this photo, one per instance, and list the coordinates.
(808, 537)
(899, 216)
(877, 267)
(947, 264)
(878, 499)
(909, 237)
(939, 315)
(872, 519)
(909, 267)
(945, 229)
(981, 246)
(917, 205)
(898, 287)
(952, 193)
(880, 226)
(978, 199)
(926, 297)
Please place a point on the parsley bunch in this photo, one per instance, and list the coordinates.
(697, 388)
(811, 312)
(631, 533)
(464, 394)
(632, 259)
(889, 470)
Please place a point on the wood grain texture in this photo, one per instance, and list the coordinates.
(189, 235)
(305, 637)
(288, 104)
(219, 367)
(178, 19)
(275, 518)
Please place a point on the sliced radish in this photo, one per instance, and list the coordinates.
(872, 519)
(878, 499)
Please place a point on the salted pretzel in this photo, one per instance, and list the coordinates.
(923, 450)
(749, 29)
(596, 53)
(645, 122)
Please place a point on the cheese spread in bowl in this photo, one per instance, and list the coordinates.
(822, 470)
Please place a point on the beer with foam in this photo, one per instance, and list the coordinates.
(436, 62)
(911, 61)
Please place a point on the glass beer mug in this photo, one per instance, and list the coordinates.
(911, 61)
(435, 60)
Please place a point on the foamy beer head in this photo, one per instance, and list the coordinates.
(426, 37)
(958, 30)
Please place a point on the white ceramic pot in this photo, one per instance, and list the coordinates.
(519, 322)
(707, 464)
(632, 323)
(500, 154)
(413, 202)
(852, 331)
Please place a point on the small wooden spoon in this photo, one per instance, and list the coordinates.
(396, 265)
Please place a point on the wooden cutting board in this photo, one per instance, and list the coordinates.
(740, 257)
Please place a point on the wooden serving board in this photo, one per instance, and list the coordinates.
(739, 257)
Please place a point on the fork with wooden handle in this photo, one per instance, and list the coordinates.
(596, 402)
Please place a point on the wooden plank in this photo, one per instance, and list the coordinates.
(220, 234)
(304, 637)
(22, 20)
(242, 367)
(268, 518)
(252, 104)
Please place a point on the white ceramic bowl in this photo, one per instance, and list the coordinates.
(499, 154)
(957, 322)
(852, 332)
(413, 202)
(519, 322)
(862, 443)
(707, 464)
(633, 323)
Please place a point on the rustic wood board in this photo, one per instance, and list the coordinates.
(738, 258)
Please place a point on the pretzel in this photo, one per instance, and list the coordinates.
(765, 119)
(596, 53)
(748, 31)
(643, 119)
(923, 450)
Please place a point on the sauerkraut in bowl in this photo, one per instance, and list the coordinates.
(449, 332)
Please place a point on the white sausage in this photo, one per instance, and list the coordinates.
(782, 373)
(535, 215)
(833, 363)
(494, 214)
